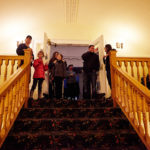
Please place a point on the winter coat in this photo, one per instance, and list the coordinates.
(71, 77)
(59, 69)
(40, 69)
(91, 62)
(107, 63)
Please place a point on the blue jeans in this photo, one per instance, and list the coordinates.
(89, 78)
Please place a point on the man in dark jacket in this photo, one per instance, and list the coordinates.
(91, 66)
(23, 46)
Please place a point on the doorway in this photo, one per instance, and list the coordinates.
(72, 55)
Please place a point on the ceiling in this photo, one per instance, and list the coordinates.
(127, 20)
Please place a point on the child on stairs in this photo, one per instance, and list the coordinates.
(72, 84)
(39, 74)
(59, 75)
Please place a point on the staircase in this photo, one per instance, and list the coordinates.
(75, 125)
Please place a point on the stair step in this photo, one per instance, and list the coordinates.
(71, 103)
(73, 140)
(71, 112)
(69, 125)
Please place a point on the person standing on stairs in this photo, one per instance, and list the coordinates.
(59, 75)
(51, 75)
(106, 60)
(39, 74)
(72, 84)
(91, 66)
(25, 46)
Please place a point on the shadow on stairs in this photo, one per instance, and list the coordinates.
(72, 125)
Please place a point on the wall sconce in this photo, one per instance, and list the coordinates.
(119, 45)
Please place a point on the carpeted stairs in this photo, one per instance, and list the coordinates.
(72, 125)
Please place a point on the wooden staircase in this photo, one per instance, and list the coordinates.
(94, 124)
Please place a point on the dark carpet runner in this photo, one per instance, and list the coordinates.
(72, 125)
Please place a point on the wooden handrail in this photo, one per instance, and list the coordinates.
(132, 58)
(14, 93)
(4, 57)
(132, 97)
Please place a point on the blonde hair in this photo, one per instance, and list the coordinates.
(41, 51)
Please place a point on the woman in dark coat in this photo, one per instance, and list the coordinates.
(106, 60)
(51, 73)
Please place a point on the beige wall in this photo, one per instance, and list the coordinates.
(126, 21)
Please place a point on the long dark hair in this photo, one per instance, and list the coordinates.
(108, 48)
(53, 57)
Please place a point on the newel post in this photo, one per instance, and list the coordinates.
(27, 61)
(113, 63)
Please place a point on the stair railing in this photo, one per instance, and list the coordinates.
(132, 97)
(14, 91)
(137, 67)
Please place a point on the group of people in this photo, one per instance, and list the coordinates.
(59, 72)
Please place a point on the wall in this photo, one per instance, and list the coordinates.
(127, 21)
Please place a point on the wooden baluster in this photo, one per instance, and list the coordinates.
(9, 109)
(1, 114)
(148, 66)
(120, 63)
(121, 91)
(5, 114)
(19, 93)
(136, 120)
(128, 98)
(132, 70)
(6, 65)
(1, 62)
(19, 63)
(22, 89)
(17, 96)
(11, 103)
(144, 75)
(14, 99)
(125, 96)
(126, 65)
(146, 120)
(12, 66)
(130, 101)
(140, 115)
(117, 86)
(138, 72)
(120, 83)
